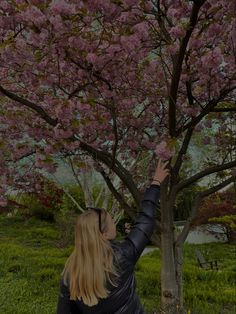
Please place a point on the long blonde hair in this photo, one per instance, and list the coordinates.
(91, 265)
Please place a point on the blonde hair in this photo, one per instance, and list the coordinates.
(91, 264)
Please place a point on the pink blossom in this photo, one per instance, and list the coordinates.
(176, 13)
(87, 19)
(73, 146)
(149, 145)
(212, 59)
(177, 32)
(62, 7)
(214, 29)
(49, 149)
(4, 5)
(49, 167)
(148, 6)
(60, 133)
(124, 17)
(172, 49)
(131, 2)
(191, 111)
(195, 43)
(129, 42)
(132, 145)
(91, 57)
(57, 23)
(164, 151)
(34, 15)
(48, 60)
(141, 29)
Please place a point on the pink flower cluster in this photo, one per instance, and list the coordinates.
(164, 151)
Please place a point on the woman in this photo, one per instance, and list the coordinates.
(99, 274)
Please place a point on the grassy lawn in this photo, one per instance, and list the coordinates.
(31, 263)
(205, 291)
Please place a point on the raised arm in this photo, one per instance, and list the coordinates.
(140, 234)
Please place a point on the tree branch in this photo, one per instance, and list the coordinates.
(117, 195)
(217, 187)
(115, 131)
(74, 173)
(41, 112)
(204, 173)
(88, 67)
(160, 18)
(196, 203)
(104, 157)
(121, 172)
(184, 233)
(179, 161)
(189, 93)
(178, 67)
(207, 109)
(22, 157)
(224, 110)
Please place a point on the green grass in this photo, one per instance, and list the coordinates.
(205, 291)
(31, 263)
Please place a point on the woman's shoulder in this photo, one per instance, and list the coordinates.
(122, 248)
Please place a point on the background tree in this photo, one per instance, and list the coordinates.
(228, 225)
(40, 198)
(219, 208)
(108, 79)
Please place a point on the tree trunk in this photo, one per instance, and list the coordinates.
(179, 260)
(169, 287)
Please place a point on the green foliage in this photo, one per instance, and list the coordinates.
(29, 273)
(41, 199)
(228, 226)
(228, 220)
(205, 292)
(31, 264)
(67, 203)
(184, 202)
(65, 223)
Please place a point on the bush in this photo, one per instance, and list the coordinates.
(42, 200)
(228, 225)
(67, 204)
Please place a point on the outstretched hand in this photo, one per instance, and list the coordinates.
(161, 172)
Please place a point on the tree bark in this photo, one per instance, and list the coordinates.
(169, 287)
(179, 261)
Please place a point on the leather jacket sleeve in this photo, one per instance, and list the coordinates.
(140, 234)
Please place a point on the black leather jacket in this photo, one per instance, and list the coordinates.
(122, 299)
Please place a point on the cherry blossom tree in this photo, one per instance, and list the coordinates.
(117, 81)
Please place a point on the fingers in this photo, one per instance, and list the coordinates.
(162, 171)
(162, 164)
(165, 164)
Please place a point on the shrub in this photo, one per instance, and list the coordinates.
(67, 204)
(42, 200)
(228, 225)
